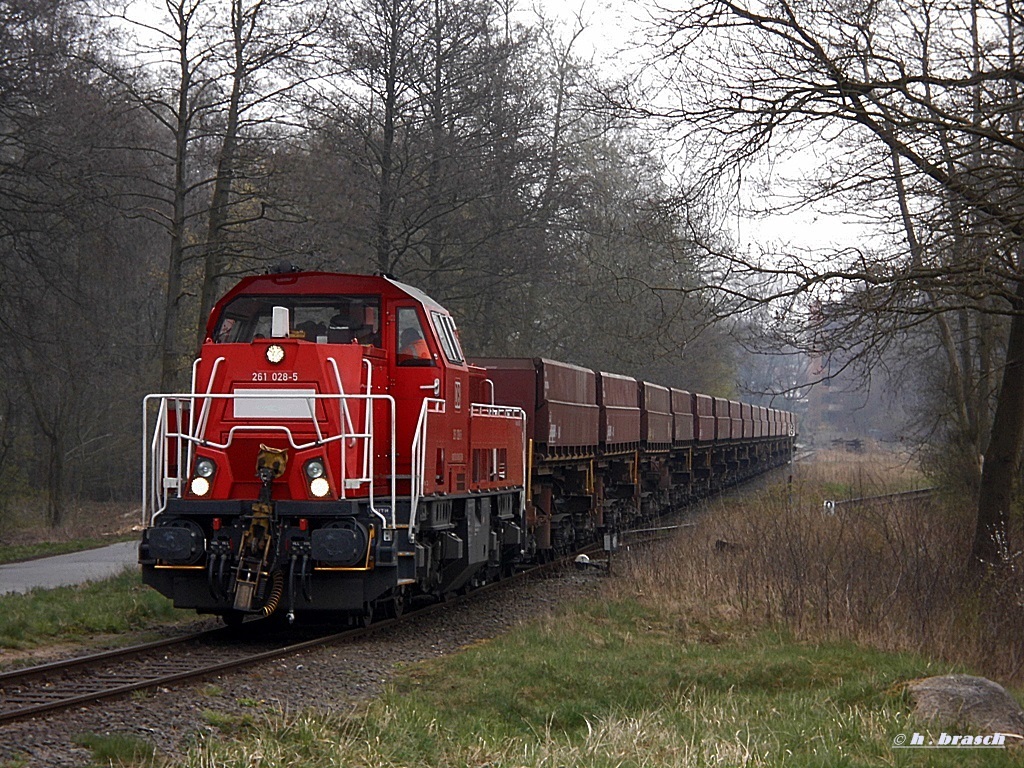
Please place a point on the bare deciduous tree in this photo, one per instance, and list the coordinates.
(917, 106)
(73, 269)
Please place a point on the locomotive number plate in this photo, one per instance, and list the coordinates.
(275, 376)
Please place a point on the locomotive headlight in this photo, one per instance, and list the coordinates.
(275, 353)
(319, 487)
(200, 486)
(205, 468)
(314, 469)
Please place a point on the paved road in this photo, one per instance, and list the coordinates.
(73, 568)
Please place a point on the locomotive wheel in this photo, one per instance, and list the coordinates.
(395, 607)
(365, 618)
(391, 606)
(233, 619)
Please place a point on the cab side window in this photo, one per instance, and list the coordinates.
(411, 346)
(445, 327)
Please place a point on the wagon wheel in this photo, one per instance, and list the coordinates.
(565, 538)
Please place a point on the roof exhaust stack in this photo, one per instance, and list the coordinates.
(281, 324)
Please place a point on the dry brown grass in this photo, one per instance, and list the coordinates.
(861, 474)
(888, 575)
(24, 522)
(27, 536)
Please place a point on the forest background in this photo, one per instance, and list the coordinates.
(150, 155)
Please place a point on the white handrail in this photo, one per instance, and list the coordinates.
(369, 450)
(341, 390)
(157, 479)
(192, 406)
(205, 415)
(368, 426)
(158, 444)
(392, 453)
(187, 447)
(346, 419)
(418, 459)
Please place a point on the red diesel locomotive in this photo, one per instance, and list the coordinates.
(338, 452)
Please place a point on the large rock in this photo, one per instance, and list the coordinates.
(974, 703)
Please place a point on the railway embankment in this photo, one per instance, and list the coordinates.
(166, 725)
(793, 645)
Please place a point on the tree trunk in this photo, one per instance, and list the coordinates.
(1002, 458)
(55, 480)
(385, 195)
(170, 358)
(216, 233)
(434, 227)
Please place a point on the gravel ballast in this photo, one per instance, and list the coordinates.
(333, 677)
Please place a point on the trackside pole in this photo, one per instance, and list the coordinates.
(611, 546)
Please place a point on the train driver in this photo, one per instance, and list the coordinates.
(412, 346)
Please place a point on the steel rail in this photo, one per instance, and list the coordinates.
(920, 493)
(54, 700)
(13, 675)
(52, 693)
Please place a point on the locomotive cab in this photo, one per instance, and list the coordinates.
(328, 455)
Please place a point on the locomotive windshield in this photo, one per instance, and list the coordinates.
(323, 319)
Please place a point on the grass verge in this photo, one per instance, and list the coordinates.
(73, 614)
(16, 553)
(788, 646)
(613, 684)
(119, 749)
(892, 575)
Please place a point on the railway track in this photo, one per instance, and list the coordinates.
(921, 494)
(68, 683)
(73, 682)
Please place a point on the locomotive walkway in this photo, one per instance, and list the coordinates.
(72, 568)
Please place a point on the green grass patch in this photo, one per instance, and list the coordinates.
(227, 724)
(118, 749)
(616, 684)
(16, 553)
(838, 491)
(119, 604)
